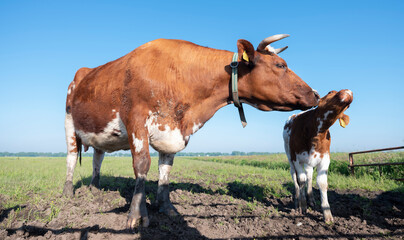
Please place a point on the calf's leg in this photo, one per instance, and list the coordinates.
(296, 184)
(309, 172)
(322, 184)
(301, 179)
(163, 192)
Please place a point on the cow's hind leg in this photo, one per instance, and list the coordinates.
(163, 192)
(72, 153)
(139, 146)
(98, 157)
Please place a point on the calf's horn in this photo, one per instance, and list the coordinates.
(264, 43)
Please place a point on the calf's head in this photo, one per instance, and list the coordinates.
(266, 81)
(332, 107)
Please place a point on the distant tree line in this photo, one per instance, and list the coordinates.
(127, 154)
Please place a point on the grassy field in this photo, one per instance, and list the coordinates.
(34, 180)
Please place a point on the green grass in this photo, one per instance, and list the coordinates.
(31, 180)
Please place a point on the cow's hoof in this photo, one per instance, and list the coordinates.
(68, 189)
(169, 211)
(133, 223)
(95, 182)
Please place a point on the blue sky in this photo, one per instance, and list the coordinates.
(333, 45)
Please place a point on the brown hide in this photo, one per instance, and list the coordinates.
(183, 84)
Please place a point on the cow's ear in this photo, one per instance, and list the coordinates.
(245, 51)
(344, 120)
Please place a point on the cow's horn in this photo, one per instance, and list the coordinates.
(264, 43)
(279, 50)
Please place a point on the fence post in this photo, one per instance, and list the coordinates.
(351, 163)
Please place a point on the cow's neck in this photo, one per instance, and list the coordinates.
(213, 89)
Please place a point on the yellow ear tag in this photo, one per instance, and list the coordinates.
(245, 56)
(342, 123)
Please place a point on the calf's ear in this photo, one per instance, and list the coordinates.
(344, 120)
(246, 51)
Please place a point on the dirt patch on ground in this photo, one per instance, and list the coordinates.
(101, 214)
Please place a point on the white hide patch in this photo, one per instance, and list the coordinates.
(286, 139)
(137, 143)
(69, 129)
(320, 120)
(196, 127)
(313, 158)
(167, 140)
(114, 136)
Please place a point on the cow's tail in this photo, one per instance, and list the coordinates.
(79, 149)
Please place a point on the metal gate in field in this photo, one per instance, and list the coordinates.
(352, 165)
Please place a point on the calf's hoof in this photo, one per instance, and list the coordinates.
(68, 189)
(133, 222)
(312, 203)
(328, 217)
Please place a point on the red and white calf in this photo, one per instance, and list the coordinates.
(307, 145)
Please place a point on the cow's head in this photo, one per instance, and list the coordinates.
(267, 83)
(333, 105)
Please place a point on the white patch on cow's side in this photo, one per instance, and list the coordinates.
(69, 91)
(113, 110)
(167, 140)
(114, 137)
(137, 143)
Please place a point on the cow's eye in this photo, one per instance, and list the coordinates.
(280, 65)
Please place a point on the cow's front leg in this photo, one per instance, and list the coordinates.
(163, 192)
(309, 172)
(98, 157)
(323, 185)
(139, 146)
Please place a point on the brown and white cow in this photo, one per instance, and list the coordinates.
(160, 94)
(307, 145)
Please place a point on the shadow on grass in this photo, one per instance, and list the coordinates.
(6, 212)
